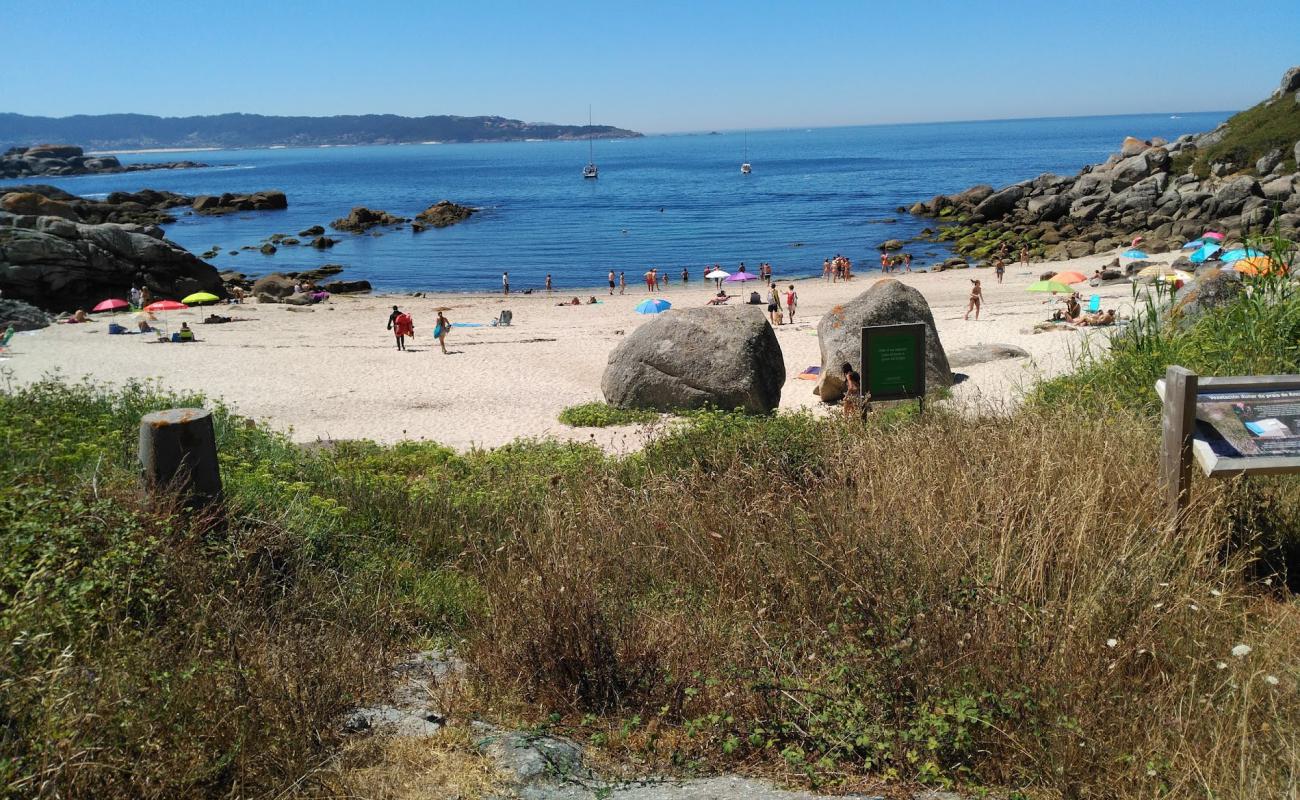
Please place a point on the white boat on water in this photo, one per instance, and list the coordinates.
(590, 170)
(745, 168)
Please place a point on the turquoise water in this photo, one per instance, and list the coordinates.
(665, 201)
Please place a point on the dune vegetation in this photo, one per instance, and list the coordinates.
(995, 603)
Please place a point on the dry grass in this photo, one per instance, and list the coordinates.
(999, 603)
(442, 766)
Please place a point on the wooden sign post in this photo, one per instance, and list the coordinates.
(1244, 425)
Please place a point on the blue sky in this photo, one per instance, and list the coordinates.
(651, 66)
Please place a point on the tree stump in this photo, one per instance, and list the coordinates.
(178, 452)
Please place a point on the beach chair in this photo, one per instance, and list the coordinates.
(504, 320)
(1094, 304)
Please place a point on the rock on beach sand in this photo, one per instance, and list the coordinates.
(887, 302)
(728, 358)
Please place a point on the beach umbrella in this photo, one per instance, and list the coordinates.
(1256, 265)
(1054, 286)
(1238, 254)
(201, 299)
(1200, 256)
(717, 274)
(1218, 237)
(1175, 275)
(1193, 244)
(652, 306)
(1133, 253)
(165, 305)
(740, 277)
(1069, 277)
(112, 304)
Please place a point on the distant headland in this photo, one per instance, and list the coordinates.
(143, 131)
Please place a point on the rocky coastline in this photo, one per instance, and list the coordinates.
(63, 160)
(1233, 179)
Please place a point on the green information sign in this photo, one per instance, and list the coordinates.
(893, 361)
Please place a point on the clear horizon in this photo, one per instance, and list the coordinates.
(683, 68)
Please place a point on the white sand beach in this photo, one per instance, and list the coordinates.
(331, 371)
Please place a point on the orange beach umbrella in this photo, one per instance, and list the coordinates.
(1070, 277)
(1258, 265)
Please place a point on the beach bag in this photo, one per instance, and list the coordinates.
(114, 328)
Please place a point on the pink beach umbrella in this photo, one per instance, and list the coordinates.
(112, 304)
(741, 277)
(1218, 237)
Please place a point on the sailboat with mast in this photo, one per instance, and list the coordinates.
(745, 168)
(590, 170)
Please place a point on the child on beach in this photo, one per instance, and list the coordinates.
(791, 300)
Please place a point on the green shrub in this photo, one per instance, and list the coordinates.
(602, 415)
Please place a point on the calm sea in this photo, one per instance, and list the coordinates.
(666, 201)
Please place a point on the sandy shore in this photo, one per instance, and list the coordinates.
(332, 371)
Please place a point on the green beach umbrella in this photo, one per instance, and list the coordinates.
(201, 299)
(1055, 287)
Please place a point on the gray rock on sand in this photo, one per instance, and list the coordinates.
(274, 285)
(887, 302)
(983, 353)
(22, 316)
(728, 358)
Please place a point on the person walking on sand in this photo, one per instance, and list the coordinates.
(622, 282)
(611, 283)
(907, 261)
(1024, 256)
(773, 305)
(976, 299)
(505, 283)
(791, 302)
(393, 318)
(440, 331)
(403, 326)
(548, 283)
(1000, 269)
(826, 269)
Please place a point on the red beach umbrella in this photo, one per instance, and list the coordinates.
(112, 304)
(165, 305)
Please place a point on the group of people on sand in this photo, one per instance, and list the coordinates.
(890, 263)
(836, 269)
(776, 299)
(402, 326)
(1074, 314)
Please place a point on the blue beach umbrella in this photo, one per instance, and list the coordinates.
(1238, 254)
(1193, 244)
(1134, 253)
(1205, 252)
(652, 306)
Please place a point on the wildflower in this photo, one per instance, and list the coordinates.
(1112, 642)
(1241, 650)
(1271, 680)
(1220, 665)
(1215, 592)
(1193, 607)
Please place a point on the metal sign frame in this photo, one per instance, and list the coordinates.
(915, 330)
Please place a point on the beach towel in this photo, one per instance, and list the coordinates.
(467, 324)
(810, 374)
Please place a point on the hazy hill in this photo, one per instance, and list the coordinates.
(128, 131)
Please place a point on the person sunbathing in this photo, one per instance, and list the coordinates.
(720, 298)
(1106, 317)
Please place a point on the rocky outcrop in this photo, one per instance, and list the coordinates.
(145, 207)
(212, 205)
(728, 358)
(887, 302)
(22, 316)
(1165, 192)
(66, 159)
(323, 242)
(362, 219)
(60, 265)
(440, 215)
(347, 287)
(983, 353)
(315, 230)
(274, 285)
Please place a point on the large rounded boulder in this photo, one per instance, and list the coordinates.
(887, 302)
(728, 358)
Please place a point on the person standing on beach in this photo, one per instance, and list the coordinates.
(773, 305)
(505, 283)
(1024, 256)
(440, 330)
(791, 301)
(826, 269)
(907, 261)
(622, 282)
(611, 283)
(548, 283)
(650, 280)
(393, 318)
(686, 275)
(976, 299)
(403, 326)
(1000, 269)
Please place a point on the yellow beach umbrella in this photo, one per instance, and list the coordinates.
(1161, 271)
(1257, 265)
(201, 299)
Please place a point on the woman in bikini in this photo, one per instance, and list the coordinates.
(976, 299)
(852, 391)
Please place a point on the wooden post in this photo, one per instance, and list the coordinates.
(178, 451)
(1178, 421)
